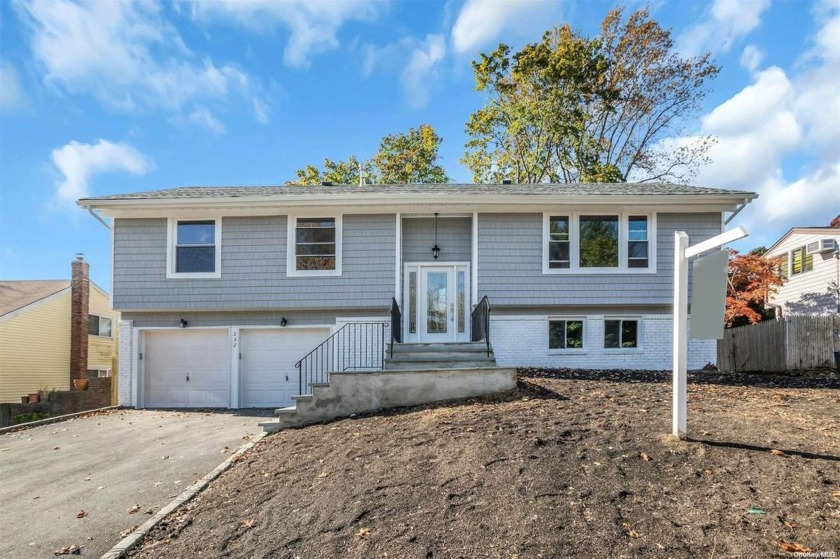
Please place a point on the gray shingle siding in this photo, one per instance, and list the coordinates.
(245, 318)
(454, 238)
(254, 268)
(510, 265)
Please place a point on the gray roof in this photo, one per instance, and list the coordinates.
(595, 189)
(17, 294)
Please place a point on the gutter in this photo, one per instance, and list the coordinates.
(737, 211)
(98, 218)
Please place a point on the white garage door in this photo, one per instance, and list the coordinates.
(268, 377)
(186, 369)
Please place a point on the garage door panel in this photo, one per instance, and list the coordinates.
(187, 368)
(268, 376)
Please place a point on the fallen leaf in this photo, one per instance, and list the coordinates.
(644, 457)
(322, 474)
(101, 487)
(3, 449)
(756, 510)
(224, 450)
(363, 533)
(247, 523)
(150, 511)
(134, 509)
(165, 457)
(87, 479)
(125, 533)
(835, 493)
(56, 447)
(71, 550)
(633, 534)
(81, 514)
(776, 452)
(794, 547)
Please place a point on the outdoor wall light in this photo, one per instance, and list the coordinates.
(436, 248)
(283, 321)
(182, 323)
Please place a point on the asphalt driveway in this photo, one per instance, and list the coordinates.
(104, 465)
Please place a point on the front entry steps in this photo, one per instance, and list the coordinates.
(350, 393)
(440, 356)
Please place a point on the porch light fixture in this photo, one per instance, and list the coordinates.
(436, 248)
(283, 321)
(182, 323)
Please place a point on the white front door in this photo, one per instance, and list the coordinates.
(437, 303)
(267, 372)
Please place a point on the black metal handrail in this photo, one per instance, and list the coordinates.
(356, 345)
(480, 321)
(396, 324)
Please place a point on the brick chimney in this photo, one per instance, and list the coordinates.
(79, 310)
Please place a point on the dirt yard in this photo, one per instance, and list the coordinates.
(571, 464)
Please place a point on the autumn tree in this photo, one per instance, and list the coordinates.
(835, 222)
(752, 279)
(406, 158)
(578, 109)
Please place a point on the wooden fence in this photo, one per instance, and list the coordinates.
(793, 343)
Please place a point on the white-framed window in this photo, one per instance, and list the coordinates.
(800, 261)
(566, 333)
(98, 373)
(314, 246)
(604, 242)
(194, 248)
(101, 326)
(622, 333)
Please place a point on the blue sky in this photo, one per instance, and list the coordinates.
(108, 97)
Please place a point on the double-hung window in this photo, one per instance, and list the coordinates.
(598, 243)
(99, 326)
(565, 334)
(195, 248)
(621, 333)
(314, 246)
(801, 261)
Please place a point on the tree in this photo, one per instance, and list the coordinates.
(406, 158)
(835, 222)
(752, 278)
(575, 109)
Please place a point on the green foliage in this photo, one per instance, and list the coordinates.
(407, 158)
(578, 109)
(27, 417)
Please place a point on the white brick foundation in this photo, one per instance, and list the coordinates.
(126, 362)
(522, 341)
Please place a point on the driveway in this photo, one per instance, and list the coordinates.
(104, 465)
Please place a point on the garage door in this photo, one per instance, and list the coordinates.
(268, 377)
(186, 369)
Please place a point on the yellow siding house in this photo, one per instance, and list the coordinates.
(35, 331)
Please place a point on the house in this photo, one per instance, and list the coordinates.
(224, 291)
(811, 267)
(54, 331)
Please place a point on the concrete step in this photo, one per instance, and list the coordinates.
(439, 365)
(302, 398)
(438, 347)
(285, 411)
(430, 357)
(318, 384)
(271, 426)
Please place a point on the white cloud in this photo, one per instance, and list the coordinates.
(725, 23)
(124, 53)
(260, 111)
(420, 74)
(313, 25)
(78, 163)
(751, 57)
(11, 94)
(201, 116)
(481, 22)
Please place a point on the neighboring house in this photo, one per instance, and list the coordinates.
(222, 290)
(52, 331)
(811, 266)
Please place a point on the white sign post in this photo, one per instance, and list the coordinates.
(682, 254)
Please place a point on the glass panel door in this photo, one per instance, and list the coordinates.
(436, 297)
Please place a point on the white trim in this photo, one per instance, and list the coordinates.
(419, 266)
(474, 270)
(398, 257)
(291, 227)
(623, 238)
(235, 362)
(138, 374)
(111, 294)
(172, 239)
(566, 350)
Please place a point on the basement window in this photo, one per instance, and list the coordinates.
(565, 334)
(621, 334)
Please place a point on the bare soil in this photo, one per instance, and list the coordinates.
(573, 463)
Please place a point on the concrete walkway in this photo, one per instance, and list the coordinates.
(105, 465)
